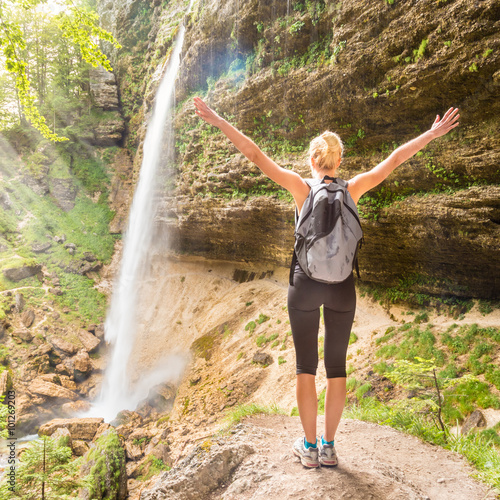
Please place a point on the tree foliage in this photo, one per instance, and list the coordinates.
(45, 471)
(75, 23)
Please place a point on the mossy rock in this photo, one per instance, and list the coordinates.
(104, 469)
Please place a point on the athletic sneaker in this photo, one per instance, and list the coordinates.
(327, 455)
(308, 456)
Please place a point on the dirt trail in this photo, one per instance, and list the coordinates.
(375, 462)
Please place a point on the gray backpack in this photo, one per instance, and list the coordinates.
(328, 232)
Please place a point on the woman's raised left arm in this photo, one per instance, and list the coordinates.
(362, 183)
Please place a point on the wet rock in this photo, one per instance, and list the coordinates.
(65, 381)
(62, 369)
(79, 428)
(51, 377)
(49, 389)
(20, 273)
(99, 332)
(475, 419)
(28, 317)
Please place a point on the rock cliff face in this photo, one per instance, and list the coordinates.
(283, 72)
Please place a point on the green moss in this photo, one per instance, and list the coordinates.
(203, 345)
(108, 460)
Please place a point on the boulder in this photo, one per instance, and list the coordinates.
(51, 377)
(79, 428)
(101, 429)
(162, 451)
(60, 239)
(5, 382)
(20, 273)
(45, 348)
(28, 317)
(63, 345)
(79, 447)
(262, 358)
(75, 407)
(45, 388)
(64, 192)
(82, 267)
(62, 433)
(82, 363)
(24, 335)
(89, 257)
(475, 419)
(99, 332)
(41, 247)
(67, 382)
(160, 397)
(110, 478)
(89, 341)
(62, 369)
(20, 302)
(133, 451)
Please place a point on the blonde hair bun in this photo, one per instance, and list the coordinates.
(326, 149)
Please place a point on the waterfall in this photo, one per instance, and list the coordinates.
(121, 322)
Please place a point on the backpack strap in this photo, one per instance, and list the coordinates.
(292, 267)
(356, 263)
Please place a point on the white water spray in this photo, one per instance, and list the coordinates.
(121, 322)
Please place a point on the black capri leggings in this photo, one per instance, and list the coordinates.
(339, 304)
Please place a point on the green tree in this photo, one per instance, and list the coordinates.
(45, 471)
(75, 23)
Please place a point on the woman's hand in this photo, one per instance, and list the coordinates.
(205, 112)
(444, 125)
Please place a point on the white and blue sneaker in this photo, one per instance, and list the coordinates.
(308, 456)
(327, 453)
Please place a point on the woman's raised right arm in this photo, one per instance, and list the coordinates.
(288, 179)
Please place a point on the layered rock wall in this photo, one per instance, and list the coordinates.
(378, 74)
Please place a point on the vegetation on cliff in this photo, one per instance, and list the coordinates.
(378, 75)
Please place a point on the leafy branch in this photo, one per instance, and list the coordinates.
(80, 26)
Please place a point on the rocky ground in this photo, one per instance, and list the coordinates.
(375, 462)
(232, 319)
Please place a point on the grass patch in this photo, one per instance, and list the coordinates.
(478, 448)
(241, 411)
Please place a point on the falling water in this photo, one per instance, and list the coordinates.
(121, 322)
